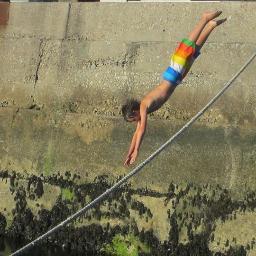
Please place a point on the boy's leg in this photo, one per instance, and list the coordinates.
(183, 57)
(202, 39)
(206, 17)
(207, 31)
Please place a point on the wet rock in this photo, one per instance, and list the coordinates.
(12, 180)
(89, 239)
(39, 188)
(35, 187)
(3, 224)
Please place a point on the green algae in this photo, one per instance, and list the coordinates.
(67, 194)
(128, 245)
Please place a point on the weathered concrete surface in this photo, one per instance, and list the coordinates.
(37, 20)
(67, 68)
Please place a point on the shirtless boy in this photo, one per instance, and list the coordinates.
(185, 54)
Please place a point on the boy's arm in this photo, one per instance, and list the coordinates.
(132, 146)
(142, 124)
(134, 139)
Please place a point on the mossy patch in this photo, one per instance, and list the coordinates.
(67, 194)
(129, 245)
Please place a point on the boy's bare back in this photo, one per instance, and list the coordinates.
(158, 96)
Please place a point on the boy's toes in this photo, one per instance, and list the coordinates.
(215, 23)
(211, 15)
(220, 21)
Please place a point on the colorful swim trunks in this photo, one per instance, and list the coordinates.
(182, 59)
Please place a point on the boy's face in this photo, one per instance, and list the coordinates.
(135, 117)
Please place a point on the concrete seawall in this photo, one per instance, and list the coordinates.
(67, 68)
(65, 71)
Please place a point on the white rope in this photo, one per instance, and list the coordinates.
(136, 169)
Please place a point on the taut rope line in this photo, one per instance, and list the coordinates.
(139, 167)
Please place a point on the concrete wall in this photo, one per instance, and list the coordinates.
(67, 68)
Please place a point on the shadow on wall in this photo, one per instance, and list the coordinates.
(4, 12)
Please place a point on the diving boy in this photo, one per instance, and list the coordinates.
(182, 59)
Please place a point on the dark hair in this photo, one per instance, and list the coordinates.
(129, 107)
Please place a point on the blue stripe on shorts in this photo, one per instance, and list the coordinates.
(172, 76)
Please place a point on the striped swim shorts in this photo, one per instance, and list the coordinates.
(182, 59)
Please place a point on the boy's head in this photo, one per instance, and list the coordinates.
(131, 110)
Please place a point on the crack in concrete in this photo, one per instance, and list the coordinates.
(41, 53)
(68, 15)
(14, 116)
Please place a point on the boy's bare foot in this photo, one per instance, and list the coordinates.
(220, 21)
(209, 15)
(215, 23)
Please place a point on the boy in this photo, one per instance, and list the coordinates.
(181, 61)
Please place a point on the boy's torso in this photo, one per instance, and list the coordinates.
(158, 96)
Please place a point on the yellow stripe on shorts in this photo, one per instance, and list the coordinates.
(178, 59)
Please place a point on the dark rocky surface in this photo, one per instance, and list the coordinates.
(188, 208)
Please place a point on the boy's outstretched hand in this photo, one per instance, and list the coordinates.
(127, 160)
(130, 159)
(137, 137)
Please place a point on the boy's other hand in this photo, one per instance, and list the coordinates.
(127, 160)
(130, 159)
(133, 156)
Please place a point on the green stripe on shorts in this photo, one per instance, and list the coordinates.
(188, 42)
